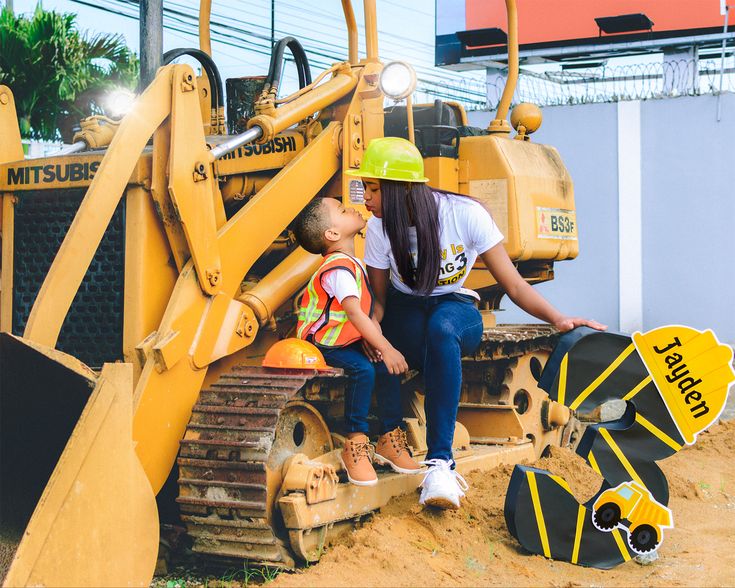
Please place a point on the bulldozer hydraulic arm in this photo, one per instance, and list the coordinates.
(204, 321)
(191, 180)
(197, 329)
(11, 149)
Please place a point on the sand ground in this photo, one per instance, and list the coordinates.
(408, 546)
(405, 545)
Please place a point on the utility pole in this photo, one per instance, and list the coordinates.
(724, 11)
(151, 40)
(273, 23)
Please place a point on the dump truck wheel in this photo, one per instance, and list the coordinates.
(607, 516)
(643, 538)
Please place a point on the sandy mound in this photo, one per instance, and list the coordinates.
(408, 546)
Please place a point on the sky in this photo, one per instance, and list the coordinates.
(406, 31)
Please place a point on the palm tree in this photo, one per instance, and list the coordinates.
(57, 74)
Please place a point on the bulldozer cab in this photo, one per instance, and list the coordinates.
(143, 281)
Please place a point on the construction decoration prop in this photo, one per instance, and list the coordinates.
(675, 381)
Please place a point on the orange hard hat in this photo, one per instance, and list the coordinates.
(295, 354)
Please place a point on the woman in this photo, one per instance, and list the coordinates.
(420, 246)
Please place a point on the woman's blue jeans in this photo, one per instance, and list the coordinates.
(433, 333)
(364, 376)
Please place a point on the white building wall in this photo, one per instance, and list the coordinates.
(656, 212)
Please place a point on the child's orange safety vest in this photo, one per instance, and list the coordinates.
(322, 319)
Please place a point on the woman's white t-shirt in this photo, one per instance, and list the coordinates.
(466, 229)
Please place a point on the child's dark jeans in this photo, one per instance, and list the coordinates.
(364, 376)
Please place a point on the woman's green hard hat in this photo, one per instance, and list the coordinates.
(391, 158)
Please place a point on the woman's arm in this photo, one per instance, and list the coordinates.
(523, 294)
(379, 284)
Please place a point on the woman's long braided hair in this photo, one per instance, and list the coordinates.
(406, 204)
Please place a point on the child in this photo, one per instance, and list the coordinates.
(335, 315)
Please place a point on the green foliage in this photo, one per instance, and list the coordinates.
(249, 576)
(57, 74)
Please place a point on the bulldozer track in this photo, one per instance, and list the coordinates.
(224, 462)
(506, 341)
(226, 455)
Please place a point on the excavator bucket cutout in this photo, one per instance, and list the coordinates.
(675, 381)
(66, 449)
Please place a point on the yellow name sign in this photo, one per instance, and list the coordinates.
(692, 371)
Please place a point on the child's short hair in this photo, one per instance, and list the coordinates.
(310, 226)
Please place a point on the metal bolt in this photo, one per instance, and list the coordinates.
(187, 83)
(4, 98)
(213, 277)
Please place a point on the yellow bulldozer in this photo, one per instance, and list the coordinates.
(147, 269)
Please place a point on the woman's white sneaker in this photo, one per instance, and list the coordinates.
(442, 486)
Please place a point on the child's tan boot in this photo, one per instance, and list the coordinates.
(392, 450)
(356, 460)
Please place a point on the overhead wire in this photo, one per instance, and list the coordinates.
(331, 17)
(399, 47)
(481, 94)
(181, 11)
(341, 51)
(222, 32)
(424, 70)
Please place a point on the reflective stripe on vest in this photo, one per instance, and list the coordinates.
(321, 317)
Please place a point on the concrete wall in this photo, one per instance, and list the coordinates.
(665, 168)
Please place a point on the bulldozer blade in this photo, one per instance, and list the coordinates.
(66, 443)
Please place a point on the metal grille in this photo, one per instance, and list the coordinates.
(92, 330)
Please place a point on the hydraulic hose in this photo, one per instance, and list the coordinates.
(500, 124)
(275, 70)
(210, 68)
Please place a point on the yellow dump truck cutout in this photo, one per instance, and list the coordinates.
(630, 501)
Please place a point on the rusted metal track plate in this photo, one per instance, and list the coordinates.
(223, 493)
(506, 341)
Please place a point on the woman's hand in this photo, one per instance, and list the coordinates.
(567, 323)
